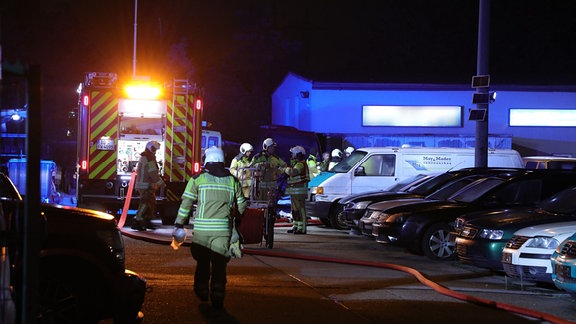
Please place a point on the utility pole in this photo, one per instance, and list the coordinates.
(481, 147)
(135, 38)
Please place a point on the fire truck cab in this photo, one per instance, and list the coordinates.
(114, 124)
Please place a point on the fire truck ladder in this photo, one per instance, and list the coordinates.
(179, 141)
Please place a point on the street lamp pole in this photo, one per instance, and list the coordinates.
(135, 37)
(481, 146)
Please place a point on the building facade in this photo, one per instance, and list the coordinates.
(535, 120)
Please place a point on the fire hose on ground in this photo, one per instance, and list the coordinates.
(422, 279)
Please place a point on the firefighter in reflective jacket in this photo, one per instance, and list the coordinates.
(313, 169)
(148, 180)
(298, 189)
(216, 192)
(268, 167)
(240, 168)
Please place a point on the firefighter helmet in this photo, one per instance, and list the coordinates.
(349, 150)
(296, 150)
(152, 146)
(268, 143)
(336, 153)
(213, 155)
(246, 147)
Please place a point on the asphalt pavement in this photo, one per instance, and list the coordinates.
(459, 281)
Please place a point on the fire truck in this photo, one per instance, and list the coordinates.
(114, 124)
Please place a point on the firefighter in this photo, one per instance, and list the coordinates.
(313, 165)
(239, 168)
(216, 192)
(336, 157)
(323, 165)
(148, 180)
(298, 189)
(267, 165)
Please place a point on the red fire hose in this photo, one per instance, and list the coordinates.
(435, 286)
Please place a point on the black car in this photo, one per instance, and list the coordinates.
(373, 214)
(425, 227)
(482, 236)
(81, 274)
(354, 206)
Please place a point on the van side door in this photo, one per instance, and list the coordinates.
(375, 172)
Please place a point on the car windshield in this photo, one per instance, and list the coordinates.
(407, 184)
(451, 188)
(563, 202)
(425, 187)
(349, 162)
(476, 190)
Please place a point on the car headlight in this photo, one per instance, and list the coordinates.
(491, 234)
(397, 218)
(319, 190)
(543, 242)
(358, 205)
(371, 214)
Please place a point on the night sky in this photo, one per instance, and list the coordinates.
(239, 51)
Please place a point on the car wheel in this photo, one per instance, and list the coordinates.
(66, 296)
(336, 221)
(436, 243)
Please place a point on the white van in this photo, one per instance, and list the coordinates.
(377, 168)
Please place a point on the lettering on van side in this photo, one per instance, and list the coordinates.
(430, 160)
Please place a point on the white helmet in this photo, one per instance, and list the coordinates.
(152, 146)
(336, 153)
(297, 150)
(268, 143)
(213, 155)
(245, 148)
(349, 150)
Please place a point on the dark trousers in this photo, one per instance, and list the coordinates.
(147, 207)
(210, 272)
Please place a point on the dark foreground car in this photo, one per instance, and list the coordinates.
(481, 237)
(425, 227)
(81, 266)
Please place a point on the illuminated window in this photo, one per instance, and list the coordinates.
(543, 117)
(412, 116)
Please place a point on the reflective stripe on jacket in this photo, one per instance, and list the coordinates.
(147, 173)
(298, 179)
(215, 197)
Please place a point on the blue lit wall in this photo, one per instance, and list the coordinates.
(336, 108)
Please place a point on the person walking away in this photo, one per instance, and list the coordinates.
(298, 189)
(268, 166)
(239, 168)
(216, 192)
(335, 158)
(148, 180)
